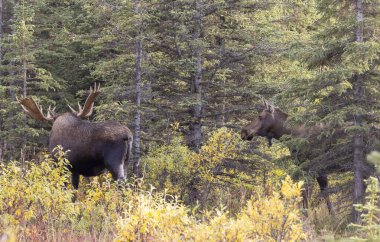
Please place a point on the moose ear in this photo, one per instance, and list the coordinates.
(271, 108)
(266, 106)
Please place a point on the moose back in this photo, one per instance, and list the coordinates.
(92, 147)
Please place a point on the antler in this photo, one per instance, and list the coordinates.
(88, 107)
(31, 108)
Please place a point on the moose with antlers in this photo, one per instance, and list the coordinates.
(270, 124)
(92, 147)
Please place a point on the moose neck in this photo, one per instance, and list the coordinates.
(279, 129)
(298, 131)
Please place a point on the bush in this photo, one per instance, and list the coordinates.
(170, 167)
(272, 218)
(35, 196)
(36, 203)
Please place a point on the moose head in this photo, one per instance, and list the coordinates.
(270, 123)
(92, 147)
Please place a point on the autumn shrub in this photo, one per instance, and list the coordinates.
(36, 202)
(222, 144)
(275, 217)
(221, 172)
(35, 195)
(170, 167)
(100, 206)
(154, 217)
(179, 170)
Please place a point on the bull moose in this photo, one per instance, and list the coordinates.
(271, 124)
(92, 147)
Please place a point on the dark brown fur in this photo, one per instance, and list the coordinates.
(92, 147)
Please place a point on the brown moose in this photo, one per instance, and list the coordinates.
(271, 124)
(92, 147)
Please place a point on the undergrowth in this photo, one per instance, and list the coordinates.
(36, 204)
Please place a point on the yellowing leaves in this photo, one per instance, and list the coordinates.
(222, 144)
(36, 193)
(290, 190)
(271, 218)
(103, 209)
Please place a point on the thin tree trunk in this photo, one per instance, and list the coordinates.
(1, 30)
(358, 140)
(1, 63)
(24, 76)
(138, 74)
(220, 119)
(195, 124)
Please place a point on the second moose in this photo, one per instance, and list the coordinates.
(271, 124)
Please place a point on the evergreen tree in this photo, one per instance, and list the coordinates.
(342, 88)
(21, 77)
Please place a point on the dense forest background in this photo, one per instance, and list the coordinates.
(187, 75)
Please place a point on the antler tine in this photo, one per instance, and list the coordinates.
(88, 106)
(80, 109)
(34, 110)
(50, 112)
(72, 109)
(97, 88)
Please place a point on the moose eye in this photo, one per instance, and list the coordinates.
(260, 117)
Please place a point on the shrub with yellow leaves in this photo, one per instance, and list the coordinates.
(220, 172)
(170, 167)
(154, 217)
(36, 194)
(36, 202)
(222, 144)
(101, 206)
(272, 218)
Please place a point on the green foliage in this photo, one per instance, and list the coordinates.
(170, 167)
(370, 227)
(374, 158)
(302, 55)
(220, 172)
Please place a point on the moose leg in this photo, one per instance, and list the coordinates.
(75, 184)
(117, 171)
(305, 197)
(114, 162)
(323, 185)
(75, 180)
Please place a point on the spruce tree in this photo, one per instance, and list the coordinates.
(342, 89)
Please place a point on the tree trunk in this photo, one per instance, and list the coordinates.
(138, 74)
(1, 30)
(195, 124)
(358, 140)
(1, 63)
